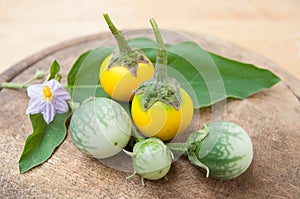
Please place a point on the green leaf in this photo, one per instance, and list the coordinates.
(54, 70)
(207, 77)
(44, 139)
(75, 68)
(213, 77)
(142, 43)
(197, 73)
(241, 79)
(83, 78)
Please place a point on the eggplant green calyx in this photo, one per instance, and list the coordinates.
(195, 138)
(130, 60)
(124, 55)
(161, 87)
(188, 149)
(193, 142)
(166, 92)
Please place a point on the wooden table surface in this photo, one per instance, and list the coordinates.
(274, 172)
(270, 27)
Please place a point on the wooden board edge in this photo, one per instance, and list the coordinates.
(24, 64)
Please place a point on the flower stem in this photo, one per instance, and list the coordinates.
(38, 75)
(13, 85)
(122, 43)
(161, 69)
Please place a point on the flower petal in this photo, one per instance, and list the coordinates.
(34, 106)
(54, 85)
(48, 112)
(46, 105)
(35, 91)
(58, 90)
(61, 106)
(62, 95)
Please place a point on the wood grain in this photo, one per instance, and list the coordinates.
(271, 117)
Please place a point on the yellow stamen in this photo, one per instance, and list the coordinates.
(47, 93)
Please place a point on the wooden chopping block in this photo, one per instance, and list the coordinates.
(271, 117)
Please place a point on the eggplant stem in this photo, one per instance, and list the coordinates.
(137, 136)
(181, 148)
(161, 68)
(122, 43)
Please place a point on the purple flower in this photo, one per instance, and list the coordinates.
(48, 98)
